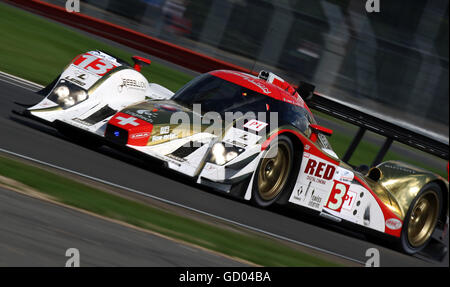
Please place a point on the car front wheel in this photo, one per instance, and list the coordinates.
(273, 172)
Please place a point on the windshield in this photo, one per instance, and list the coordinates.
(216, 94)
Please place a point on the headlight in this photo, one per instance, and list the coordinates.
(67, 95)
(62, 92)
(80, 96)
(220, 154)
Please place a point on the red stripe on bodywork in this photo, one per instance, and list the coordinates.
(260, 86)
(314, 150)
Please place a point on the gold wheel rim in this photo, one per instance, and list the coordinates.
(274, 171)
(423, 219)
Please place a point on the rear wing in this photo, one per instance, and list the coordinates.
(367, 121)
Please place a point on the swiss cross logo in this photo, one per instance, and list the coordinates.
(127, 121)
(320, 169)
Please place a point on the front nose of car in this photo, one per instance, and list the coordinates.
(125, 129)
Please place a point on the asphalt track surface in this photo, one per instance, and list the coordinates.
(35, 233)
(33, 140)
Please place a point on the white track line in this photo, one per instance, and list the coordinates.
(19, 82)
(182, 206)
(16, 80)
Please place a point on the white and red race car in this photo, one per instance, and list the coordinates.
(250, 136)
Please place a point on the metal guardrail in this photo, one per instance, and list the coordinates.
(139, 41)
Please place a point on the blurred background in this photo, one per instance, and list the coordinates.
(394, 62)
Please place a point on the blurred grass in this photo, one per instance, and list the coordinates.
(37, 49)
(248, 246)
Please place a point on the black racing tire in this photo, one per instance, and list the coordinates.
(267, 187)
(419, 225)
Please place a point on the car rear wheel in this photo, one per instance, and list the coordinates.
(273, 172)
(420, 221)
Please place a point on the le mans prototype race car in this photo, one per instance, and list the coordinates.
(284, 159)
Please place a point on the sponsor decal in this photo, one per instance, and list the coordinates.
(393, 224)
(164, 130)
(164, 137)
(240, 138)
(176, 158)
(235, 143)
(309, 196)
(133, 84)
(350, 199)
(81, 75)
(320, 169)
(314, 201)
(144, 115)
(253, 81)
(344, 175)
(255, 125)
(301, 195)
(104, 56)
(144, 112)
(320, 186)
(140, 136)
(244, 137)
(75, 81)
(400, 168)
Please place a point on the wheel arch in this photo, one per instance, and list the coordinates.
(445, 201)
(298, 155)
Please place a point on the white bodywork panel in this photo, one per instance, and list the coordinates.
(120, 89)
(327, 188)
(188, 165)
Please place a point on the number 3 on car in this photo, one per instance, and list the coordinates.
(337, 196)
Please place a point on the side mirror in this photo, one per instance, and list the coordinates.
(316, 130)
(140, 62)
